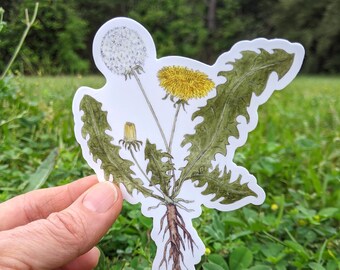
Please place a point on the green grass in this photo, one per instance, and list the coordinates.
(294, 153)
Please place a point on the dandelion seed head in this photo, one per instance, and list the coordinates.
(122, 50)
(185, 83)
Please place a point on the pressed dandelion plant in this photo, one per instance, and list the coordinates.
(166, 130)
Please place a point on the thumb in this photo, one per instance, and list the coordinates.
(53, 242)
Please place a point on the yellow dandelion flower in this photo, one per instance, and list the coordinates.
(185, 83)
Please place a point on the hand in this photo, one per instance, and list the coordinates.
(57, 228)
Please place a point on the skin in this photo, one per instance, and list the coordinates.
(57, 228)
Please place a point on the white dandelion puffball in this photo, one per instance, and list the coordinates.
(122, 50)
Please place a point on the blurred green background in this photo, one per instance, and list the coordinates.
(61, 39)
(294, 152)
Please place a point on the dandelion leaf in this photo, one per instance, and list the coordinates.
(221, 186)
(160, 164)
(249, 76)
(101, 147)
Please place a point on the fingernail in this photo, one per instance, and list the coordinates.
(101, 197)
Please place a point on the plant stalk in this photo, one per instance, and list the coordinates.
(152, 110)
(29, 24)
(144, 174)
(174, 127)
(170, 144)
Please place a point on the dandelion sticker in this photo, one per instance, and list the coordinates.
(182, 155)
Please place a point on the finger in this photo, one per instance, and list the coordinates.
(88, 261)
(64, 235)
(40, 203)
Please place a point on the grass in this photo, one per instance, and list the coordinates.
(294, 153)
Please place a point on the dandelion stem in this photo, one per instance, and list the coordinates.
(139, 167)
(152, 110)
(171, 140)
(144, 174)
(174, 127)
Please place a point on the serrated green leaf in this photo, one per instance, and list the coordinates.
(160, 169)
(221, 186)
(101, 148)
(249, 76)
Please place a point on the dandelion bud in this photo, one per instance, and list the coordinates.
(130, 134)
(130, 137)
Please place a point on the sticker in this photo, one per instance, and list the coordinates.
(166, 129)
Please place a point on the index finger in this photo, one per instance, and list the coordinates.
(41, 203)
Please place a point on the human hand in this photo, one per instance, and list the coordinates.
(57, 228)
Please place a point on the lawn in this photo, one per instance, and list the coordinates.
(294, 153)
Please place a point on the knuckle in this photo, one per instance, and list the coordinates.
(31, 210)
(69, 226)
